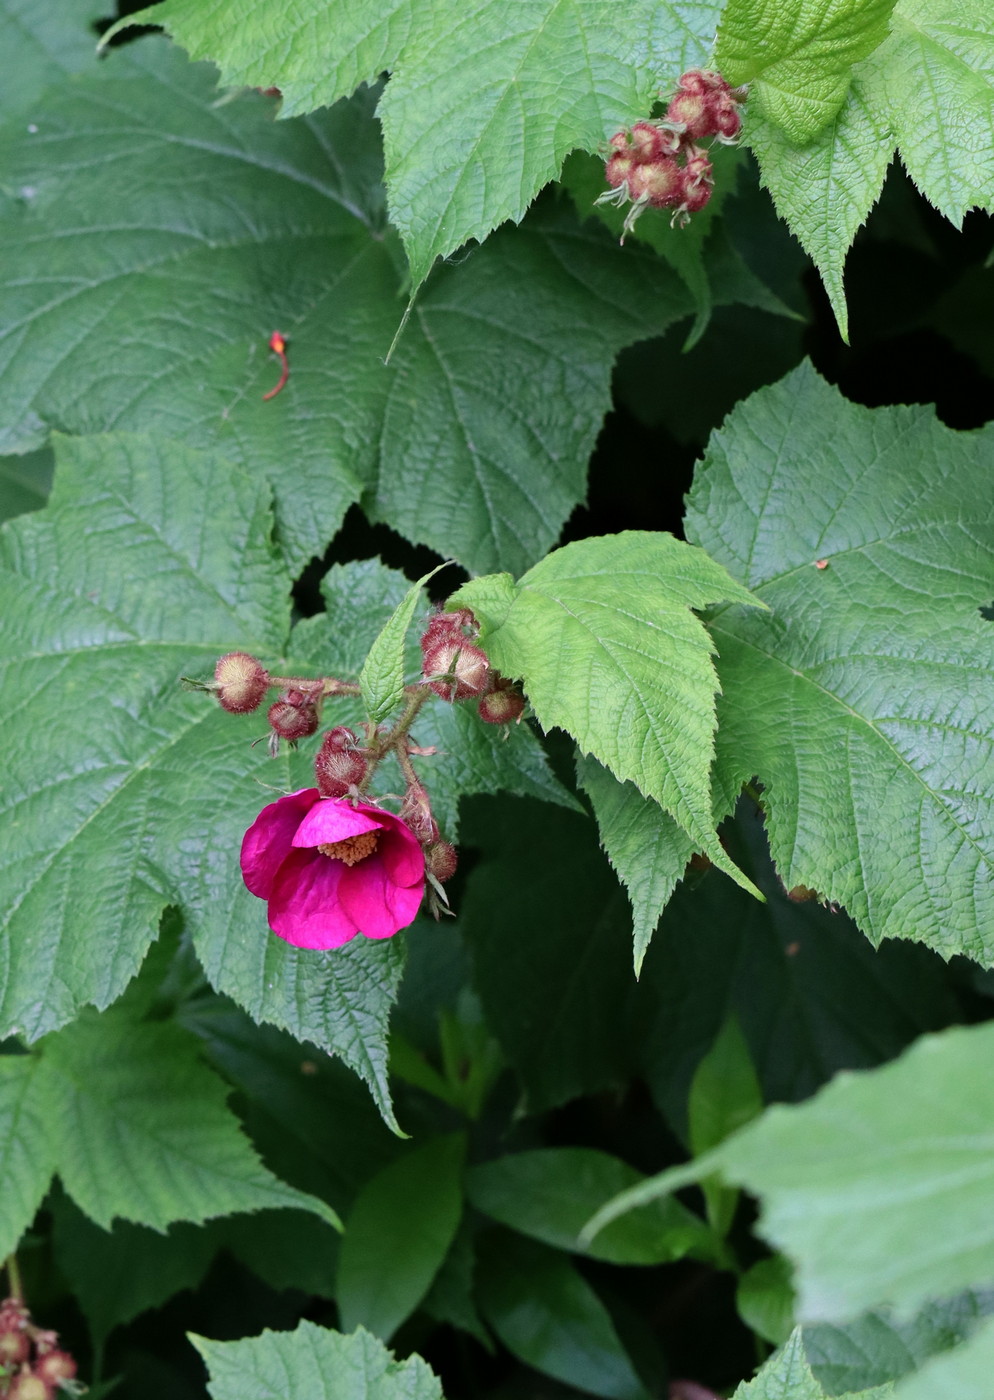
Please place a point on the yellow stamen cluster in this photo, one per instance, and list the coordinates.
(353, 849)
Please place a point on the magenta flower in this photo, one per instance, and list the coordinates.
(330, 869)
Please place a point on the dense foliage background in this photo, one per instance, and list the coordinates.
(761, 660)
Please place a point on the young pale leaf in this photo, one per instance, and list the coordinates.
(42, 41)
(798, 58)
(141, 797)
(485, 101)
(550, 1317)
(861, 699)
(648, 849)
(27, 1147)
(398, 1233)
(550, 1194)
(603, 636)
(142, 1130)
(382, 675)
(962, 1374)
(313, 1363)
(277, 223)
(787, 1376)
(880, 1189)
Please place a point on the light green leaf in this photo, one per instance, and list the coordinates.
(27, 1149)
(277, 223)
(645, 845)
(787, 1376)
(42, 41)
(602, 634)
(798, 57)
(313, 1363)
(550, 1317)
(861, 699)
(725, 1094)
(764, 1297)
(484, 103)
(382, 675)
(398, 1234)
(550, 1193)
(880, 1189)
(928, 90)
(150, 562)
(143, 1132)
(962, 1374)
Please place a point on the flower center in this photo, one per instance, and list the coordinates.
(353, 849)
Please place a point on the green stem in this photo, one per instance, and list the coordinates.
(14, 1277)
(396, 739)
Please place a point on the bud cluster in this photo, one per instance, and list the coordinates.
(456, 668)
(658, 164)
(32, 1365)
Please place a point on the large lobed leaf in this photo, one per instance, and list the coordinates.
(603, 636)
(928, 90)
(861, 699)
(485, 100)
(43, 41)
(150, 562)
(474, 440)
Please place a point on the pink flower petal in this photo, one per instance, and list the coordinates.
(402, 855)
(377, 906)
(269, 839)
(305, 906)
(335, 819)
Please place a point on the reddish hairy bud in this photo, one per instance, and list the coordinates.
(27, 1386)
(456, 670)
(339, 766)
(416, 812)
(453, 626)
(240, 682)
(55, 1366)
(660, 182)
(504, 704)
(293, 721)
(441, 861)
(14, 1347)
(618, 169)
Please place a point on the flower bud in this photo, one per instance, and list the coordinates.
(452, 627)
(27, 1386)
(660, 182)
(14, 1346)
(241, 682)
(441, 861)
(416, 813)
(292, 721)
(618, 169)
(504, 704)
(456, 670)
(338, 765)
(55, 1366)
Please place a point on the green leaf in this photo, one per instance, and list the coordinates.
(879, 1347)
(962, 1374)
(859, 699)
(25, 482)
(382, 675)
(645, 845)
(550, 1193)
(549, 1317)
(27, 1148)
(798, 57)
(880, 1189)
(312, 1363)
(43, 41)
(440, 444)
(111, 820)
(764, 1297)
(787, 1376)
(142, 1129)
(475, 119)
(398, 1233)
(725, 1094)
(602, 634)
(928, 90)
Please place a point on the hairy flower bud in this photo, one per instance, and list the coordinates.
(338, 765)
(441, 861)
(416, 812)
(14, 1346)
(659, 182)
(456, 670)
(55, 1366)
(27, 1386)
(454, 627)
(241, 682)
(292, 720)
(504, 704)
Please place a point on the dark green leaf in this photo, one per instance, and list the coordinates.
(27, 1146)
(42, 42)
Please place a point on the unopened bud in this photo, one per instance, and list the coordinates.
(27, 1386)
(14, 1347)
(55, 1366)
(338, 765)
(441, 861)
(293, 721)
(416, 812)
(241, 682)
(457, 670)
(453, 627)
(504, 704)
(660, 182)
